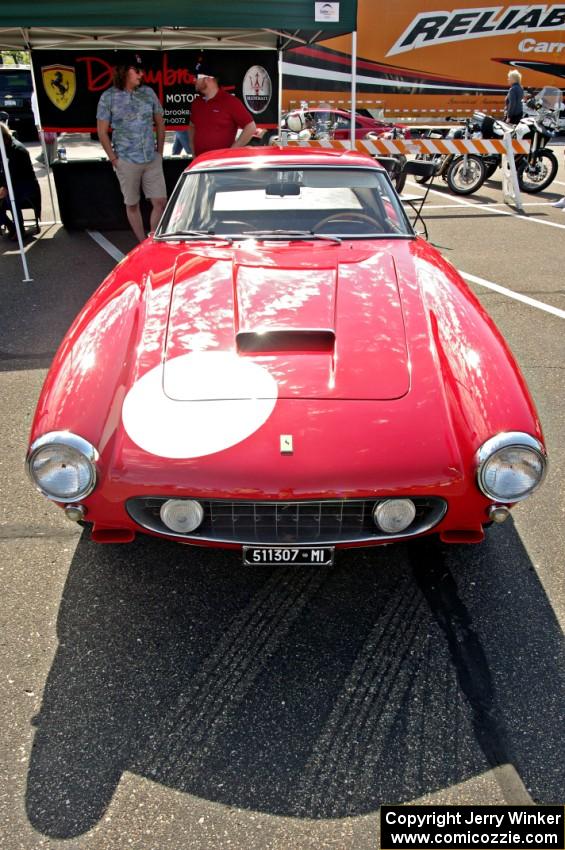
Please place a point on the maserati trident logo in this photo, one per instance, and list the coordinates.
(257, 89)
(286, 444)
(59, 82)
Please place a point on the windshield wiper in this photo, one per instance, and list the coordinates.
(193, 234)
(302, 234)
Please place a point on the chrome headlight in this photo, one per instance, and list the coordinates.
(510, 466)
(62, 466)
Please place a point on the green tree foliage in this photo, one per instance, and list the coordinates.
(15, 57)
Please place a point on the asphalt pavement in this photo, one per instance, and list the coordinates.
(160, 697)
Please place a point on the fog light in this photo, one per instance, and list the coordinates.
(75, 512)
(394, 515)
(498, 513)
(182, 515)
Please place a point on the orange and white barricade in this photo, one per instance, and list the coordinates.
(506, 147)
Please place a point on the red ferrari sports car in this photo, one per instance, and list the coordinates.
(286, 368)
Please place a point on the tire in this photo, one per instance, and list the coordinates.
(399, 179)
(536, 177)
(491, 165)
(465, 177)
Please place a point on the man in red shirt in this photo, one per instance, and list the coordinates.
(216, 116)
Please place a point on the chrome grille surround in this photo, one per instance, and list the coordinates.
(324, 522)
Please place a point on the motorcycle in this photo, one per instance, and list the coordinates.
(538, 168)
(301, 127)
(463, 173)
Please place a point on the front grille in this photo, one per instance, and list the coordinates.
(320, 522)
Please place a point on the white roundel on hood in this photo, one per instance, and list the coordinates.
(257, 89)
(231, 398)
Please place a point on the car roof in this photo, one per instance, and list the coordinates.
(269, 156)
(339, 109)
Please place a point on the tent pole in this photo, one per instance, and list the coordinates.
(353, 85)
(41, 135)
(27, 278)
(280, 92)
(37, 120)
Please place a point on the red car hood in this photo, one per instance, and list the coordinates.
(321, 328)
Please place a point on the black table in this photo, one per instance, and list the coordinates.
(89, 194)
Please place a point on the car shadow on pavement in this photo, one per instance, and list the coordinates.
(320, 694)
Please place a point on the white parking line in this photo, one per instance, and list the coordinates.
(517, 296)
(110, 249)
(489, 206)
(516, 215)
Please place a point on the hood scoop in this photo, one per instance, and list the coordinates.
(286, 340)
(301, 327)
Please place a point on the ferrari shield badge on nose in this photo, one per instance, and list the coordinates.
(59, 82)
(286, 444)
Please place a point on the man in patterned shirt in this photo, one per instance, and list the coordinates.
(131, 109)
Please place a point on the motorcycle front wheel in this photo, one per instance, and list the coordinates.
(466, 174)
(537, 175)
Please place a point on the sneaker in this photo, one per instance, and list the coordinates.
(560, 204)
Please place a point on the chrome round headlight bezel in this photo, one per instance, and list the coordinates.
(76, 445)
(493, 447)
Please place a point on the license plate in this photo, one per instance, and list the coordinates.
(258, 556)
(8, 102)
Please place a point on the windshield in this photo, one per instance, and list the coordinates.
(302, 202)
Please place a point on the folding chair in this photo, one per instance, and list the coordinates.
(420, 168)
(389, 163)
(394, 167)
(29, 201)
(31, 204)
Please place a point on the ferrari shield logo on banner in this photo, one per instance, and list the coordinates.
(59, 82)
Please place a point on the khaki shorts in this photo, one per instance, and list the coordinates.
(147, 175)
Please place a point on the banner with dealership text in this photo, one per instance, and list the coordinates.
(69, 83)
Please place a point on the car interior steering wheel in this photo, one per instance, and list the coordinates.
(344, 217)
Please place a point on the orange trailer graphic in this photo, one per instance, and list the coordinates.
(421, 57)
